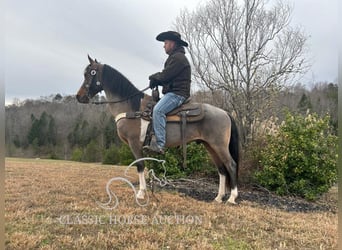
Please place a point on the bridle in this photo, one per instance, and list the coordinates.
(95, 76)
(94, 72)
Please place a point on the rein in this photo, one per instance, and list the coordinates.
(122, 100)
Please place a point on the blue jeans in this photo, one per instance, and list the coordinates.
(166, 104)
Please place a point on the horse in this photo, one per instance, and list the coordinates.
(217, 130)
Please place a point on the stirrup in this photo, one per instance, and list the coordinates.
(154, 147)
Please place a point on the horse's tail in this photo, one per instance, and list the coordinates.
(234, 145)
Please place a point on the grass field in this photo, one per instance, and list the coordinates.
(52, 205)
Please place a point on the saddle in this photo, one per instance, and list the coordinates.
(188, 112)
(191, 111)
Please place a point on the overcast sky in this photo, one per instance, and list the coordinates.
(47, 41)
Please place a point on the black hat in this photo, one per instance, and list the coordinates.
(173, 36)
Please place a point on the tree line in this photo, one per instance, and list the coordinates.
(56, 127)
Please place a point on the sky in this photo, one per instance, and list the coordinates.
(47, 41)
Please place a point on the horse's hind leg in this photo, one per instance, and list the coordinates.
(222, 174)
(227, 168)
(222, 184)
(233, 182)
(231, 168)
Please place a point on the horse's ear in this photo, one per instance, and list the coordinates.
(90, 59)
(96, 60)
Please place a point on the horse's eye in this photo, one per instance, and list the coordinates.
(93, 72)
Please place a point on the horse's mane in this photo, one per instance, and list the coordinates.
(118, 84)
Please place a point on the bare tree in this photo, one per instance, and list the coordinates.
(246, 49)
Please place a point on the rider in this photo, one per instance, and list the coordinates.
(175, 79)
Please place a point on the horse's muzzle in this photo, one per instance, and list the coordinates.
(82, 99)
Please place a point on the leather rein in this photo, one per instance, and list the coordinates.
(122, 100)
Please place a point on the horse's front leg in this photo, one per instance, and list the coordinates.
(142, 181)
(136, 143)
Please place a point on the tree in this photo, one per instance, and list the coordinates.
(304, 104)
(52, 132)
(247, 50)
(34, 134)
(43, 130)
(110, 134)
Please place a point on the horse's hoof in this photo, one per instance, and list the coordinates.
(218, 200)
(233, 196)
(141, 195)
(231, 201)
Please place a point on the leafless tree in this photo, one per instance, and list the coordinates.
(247, 50)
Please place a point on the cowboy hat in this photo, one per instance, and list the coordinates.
(173, 36)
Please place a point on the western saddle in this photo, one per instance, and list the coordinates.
(188, 112)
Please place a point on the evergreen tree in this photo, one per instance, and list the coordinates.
(52, 132)
(43, 130)
(304, 104)
(110, 134)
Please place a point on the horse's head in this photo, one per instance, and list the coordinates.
(92, 81)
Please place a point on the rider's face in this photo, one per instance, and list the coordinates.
(169, 46)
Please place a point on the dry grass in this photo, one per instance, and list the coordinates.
(51, 205)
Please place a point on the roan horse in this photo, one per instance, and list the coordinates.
(217, 130)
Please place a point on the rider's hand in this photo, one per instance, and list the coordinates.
(153, 84)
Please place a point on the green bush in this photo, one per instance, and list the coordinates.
(111, 155)
(198, 162)
(53, 156)
(93, 152)
(77, 155)
(118, 155)
(125, 155)
(301, 158)
(173, 163)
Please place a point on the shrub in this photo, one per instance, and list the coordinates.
(301, 158)
(77, 155)
(198, 162)
(111, 155)
(53, 156)
(173, 165)
(125, 155)
(92, 152)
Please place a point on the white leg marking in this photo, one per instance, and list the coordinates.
(142, 185)
(233, 195)
(222, 188)
(143, 129)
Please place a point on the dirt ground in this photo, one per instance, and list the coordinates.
(61, 205)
